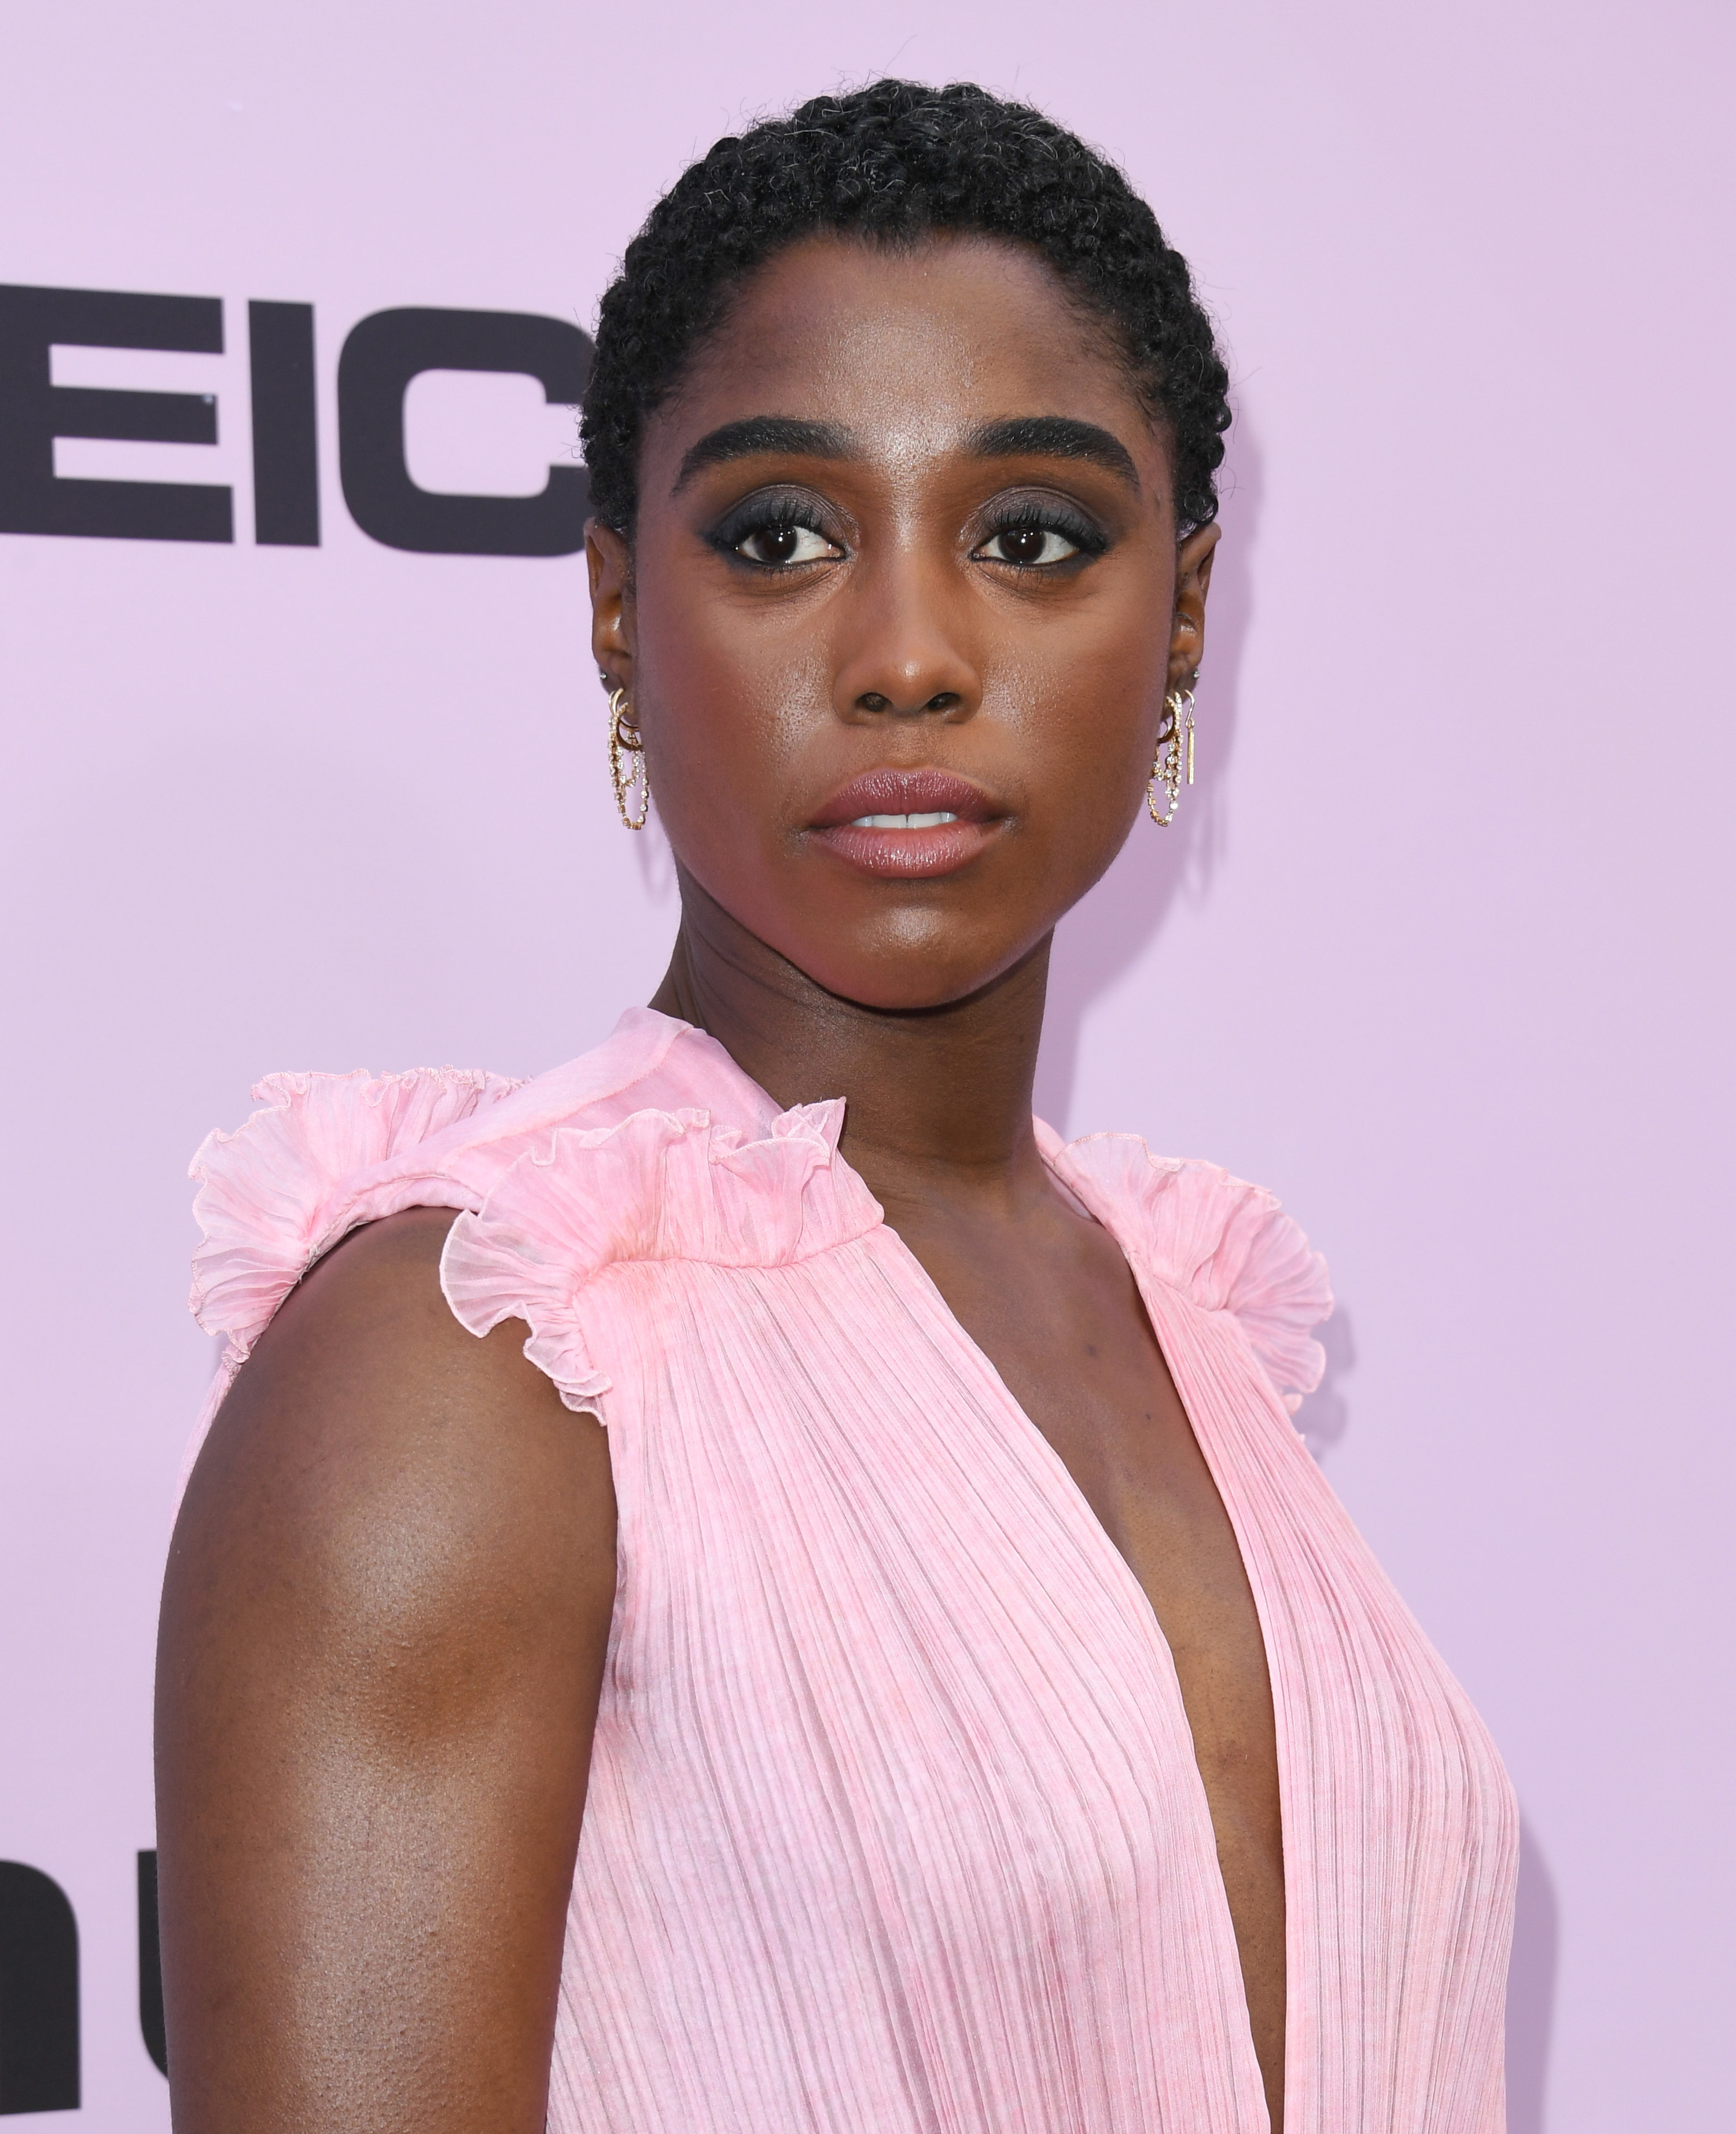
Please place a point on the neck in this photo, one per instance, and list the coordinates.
(938, 1100)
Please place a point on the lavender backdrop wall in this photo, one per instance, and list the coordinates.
(1439, 950)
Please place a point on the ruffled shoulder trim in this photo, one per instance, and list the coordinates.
(1227, 1245)
(306, 1168)
(660, 1185)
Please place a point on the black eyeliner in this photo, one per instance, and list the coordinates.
(1047, 517)
(756, 515)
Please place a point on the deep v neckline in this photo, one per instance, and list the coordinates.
(1054, 1153)
(1123, 1576)
(1116, 1565)
(1099, 1205)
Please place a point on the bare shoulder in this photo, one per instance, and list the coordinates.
(370, 1441)
(384, 1626)
(366, 1398)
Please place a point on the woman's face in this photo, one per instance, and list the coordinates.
(905, 602)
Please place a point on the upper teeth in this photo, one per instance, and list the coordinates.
(903, 822)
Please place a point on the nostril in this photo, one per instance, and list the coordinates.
(943, 700)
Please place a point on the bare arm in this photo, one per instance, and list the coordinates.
(384, 1628)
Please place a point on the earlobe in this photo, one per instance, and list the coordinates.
(607, 562)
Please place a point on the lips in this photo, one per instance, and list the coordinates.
(906, 824)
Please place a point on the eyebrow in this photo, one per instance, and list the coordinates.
(759, 434)
(1055, 438)
(1016, 436)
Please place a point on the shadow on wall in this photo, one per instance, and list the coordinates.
(1324, 1416)
(1108, 931)
(1532, 1989)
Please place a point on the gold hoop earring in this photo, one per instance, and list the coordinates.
(1174, 759)
(632, 785)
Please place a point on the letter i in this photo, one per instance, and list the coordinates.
(286, 456)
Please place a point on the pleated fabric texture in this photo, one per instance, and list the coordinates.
(894, 1824)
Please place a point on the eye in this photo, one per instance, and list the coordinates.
(1039, 532)
(1029, 546)
(782, 543)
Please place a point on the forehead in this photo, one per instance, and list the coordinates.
(909, 346)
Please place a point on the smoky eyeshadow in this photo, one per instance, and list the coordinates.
(772, 508)
(1049, 515)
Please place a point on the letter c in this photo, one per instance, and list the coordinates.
(382, 354)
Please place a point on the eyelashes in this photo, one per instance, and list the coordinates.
(1029, 534)
(786, 531)
(1040, 536)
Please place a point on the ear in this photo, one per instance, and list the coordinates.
(609, 562)
(1192, 582)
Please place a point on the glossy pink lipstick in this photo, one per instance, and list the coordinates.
(904, 825)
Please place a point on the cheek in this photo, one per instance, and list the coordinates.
(1086, 705)
(728, 708)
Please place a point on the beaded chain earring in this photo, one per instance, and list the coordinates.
(1174, 761)
(627, 771)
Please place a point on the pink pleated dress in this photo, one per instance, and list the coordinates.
(894, 1824)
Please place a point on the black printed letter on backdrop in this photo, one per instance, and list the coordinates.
(150, 1965)
(39, 1993)
(286, 456)
(383, 354)
(34, 412)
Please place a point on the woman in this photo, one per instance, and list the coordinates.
(878, 1524)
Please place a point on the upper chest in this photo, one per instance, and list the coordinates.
(1058, 1313)
(1053, 1306)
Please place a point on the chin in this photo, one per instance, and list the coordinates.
(906, 976)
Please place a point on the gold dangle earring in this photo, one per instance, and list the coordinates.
(1174, 759)
(632, 785)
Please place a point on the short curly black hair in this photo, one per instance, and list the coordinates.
(892, 162)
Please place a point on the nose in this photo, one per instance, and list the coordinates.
(903, 653)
